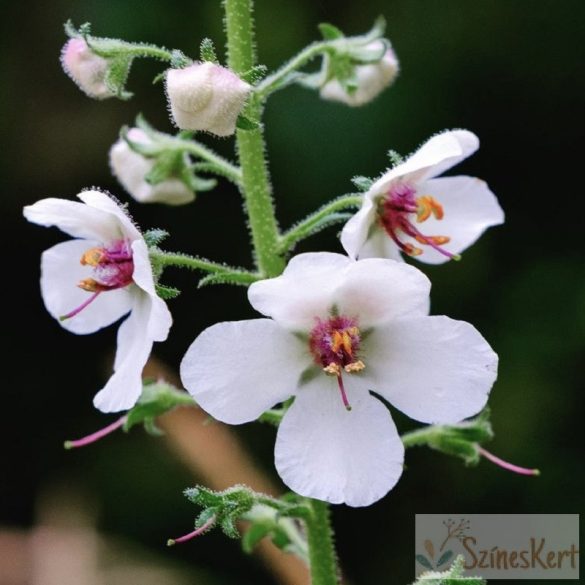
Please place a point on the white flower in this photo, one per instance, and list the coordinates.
(94, 280)
(408, 210)
(131, 168)
(340, 329)
(86, 69)
(206, 96)
(371, 80)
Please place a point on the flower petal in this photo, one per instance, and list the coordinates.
(380, 245)
(60, 273)
(134, 345)
(106, 203)
(377, 290)
(469, 209)
(434, 369)
(325, 452)
(238, 370)
(73, 218)
(356, 231)
(435, 156)
(302, 292)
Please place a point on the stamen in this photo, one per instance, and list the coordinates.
(209, 524)
(332, 369)
(355, 367)
(427, 205)
(506, 465)
(343, 394)
(94, 257)
(81, 307)
(97, 435)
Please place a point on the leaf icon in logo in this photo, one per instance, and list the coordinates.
(444, 558)
(424, 562)
(429, 547)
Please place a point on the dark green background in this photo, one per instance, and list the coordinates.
(510, 70)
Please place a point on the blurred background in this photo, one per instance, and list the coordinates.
(508, 70)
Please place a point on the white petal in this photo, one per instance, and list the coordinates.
(355, 232)
(60, 273)
(303, 291)
(469, 209)
(435, 156)
(134, 345)
(73, 218)
(102, 201)
(380, 245)
(434, 369)
(325, 452)
(238, 370)
(377, 290)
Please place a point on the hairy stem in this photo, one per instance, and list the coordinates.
(185, 261)
(251, 147)
(321, 550)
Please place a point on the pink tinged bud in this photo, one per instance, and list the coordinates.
(131, 168)
(206, 96)
(87, 69)
(372, 79)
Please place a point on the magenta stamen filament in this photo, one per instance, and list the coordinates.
(194, 534)
(78, 310)
(343, 394)
(97, 435)
(505, 465)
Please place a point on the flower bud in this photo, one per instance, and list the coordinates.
(371, 79)
(131, 169)
(206, 96)
(87, 69)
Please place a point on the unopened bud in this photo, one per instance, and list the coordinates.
(87, 69)
(206, 96)
(131, 169)
(371, 80)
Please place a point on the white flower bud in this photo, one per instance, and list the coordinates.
(206, 96)
(371, 79)
(131, 168)
(87, 69)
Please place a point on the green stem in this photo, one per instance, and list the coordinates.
(321, 550)
(185, 261)
(275, 81)
(317, 219)
(251, 147)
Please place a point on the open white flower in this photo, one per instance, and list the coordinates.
(371, 79)
(340, 329)
(131, 168)
(407, 210)
(94, 280)
(206, 96)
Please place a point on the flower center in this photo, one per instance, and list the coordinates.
(335, 344)
(400, 207)
(112, 269)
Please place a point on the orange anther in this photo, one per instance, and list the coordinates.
(93, 257)
(427, 205)
(90, 285)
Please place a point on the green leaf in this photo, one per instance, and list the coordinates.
(330, 32)
(244, 123)
(156, 399)
(207, 51)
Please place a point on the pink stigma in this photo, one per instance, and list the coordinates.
(97, 435)
(400, 208)
(209, 524)
(505, 465)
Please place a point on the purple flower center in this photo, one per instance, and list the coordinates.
(334, 344)
(113, 268)
(400, 207)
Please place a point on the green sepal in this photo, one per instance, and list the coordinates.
(117, 75)
(228, 277)
(207, 51)
(154, 237)
(156, 399)
(395, 157)
(166, 293)
(362, 183)
(179, 60)
(244, 123)
(330, 32)
(255, 74)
